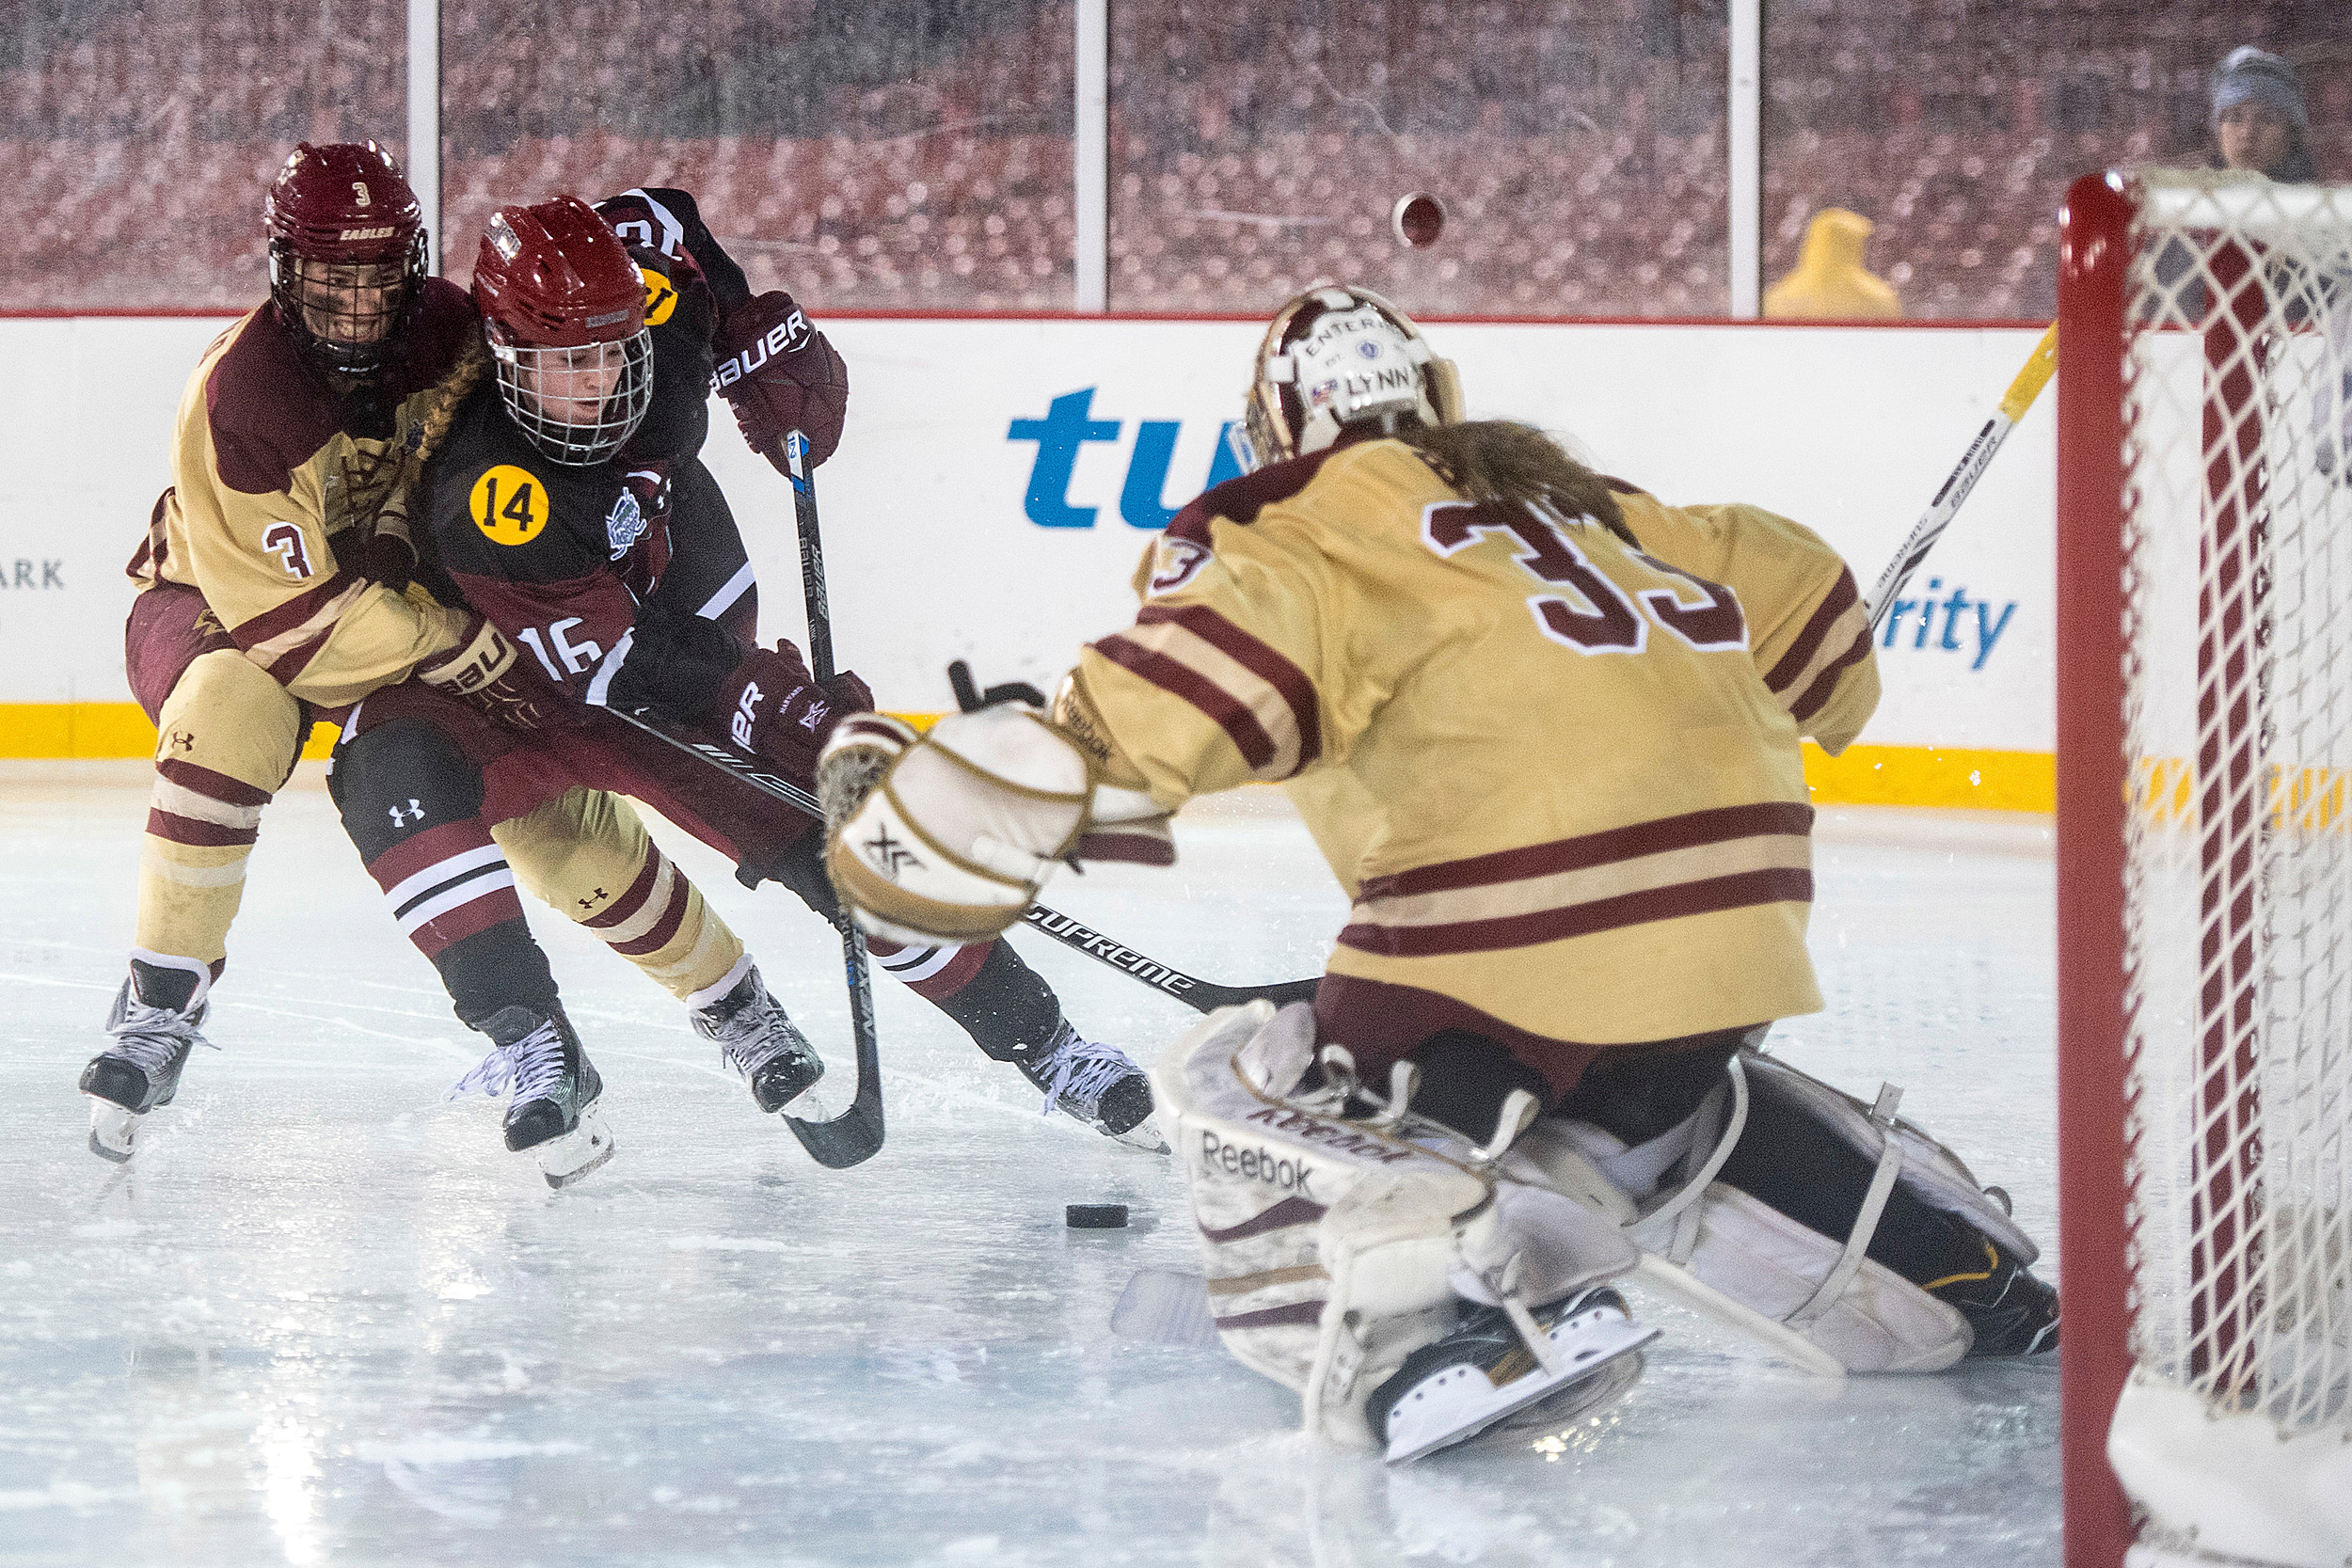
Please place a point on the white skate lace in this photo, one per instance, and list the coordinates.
(1083, 1071)
(532, 1067)
(149, 1038)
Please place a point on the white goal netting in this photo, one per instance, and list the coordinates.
(2237, 667)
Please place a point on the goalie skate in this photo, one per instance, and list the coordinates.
(1487, 1370)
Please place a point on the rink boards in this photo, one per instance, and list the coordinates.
(1000, 478)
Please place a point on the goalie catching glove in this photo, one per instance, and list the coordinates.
(947, 838)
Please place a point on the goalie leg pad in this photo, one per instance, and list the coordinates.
(1792, 1108)
(1832, 1294)
(1335, 1246)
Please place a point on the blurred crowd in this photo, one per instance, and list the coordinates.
(915, 154)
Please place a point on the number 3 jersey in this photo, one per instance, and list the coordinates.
(1546, 764)
(279, 479)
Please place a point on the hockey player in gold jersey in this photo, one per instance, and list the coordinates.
(274, 588)
(1545, 729)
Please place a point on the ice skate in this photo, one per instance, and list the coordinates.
(153, 1035)
(2011, 1313)
(760, 1043)
(551, 1088)
(1095, 1084)
(1487, 1370)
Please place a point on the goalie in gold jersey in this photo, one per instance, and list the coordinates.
(1545, 730)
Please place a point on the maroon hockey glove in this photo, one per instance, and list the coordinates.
(779, 373)
(486, 671)
(772, 710)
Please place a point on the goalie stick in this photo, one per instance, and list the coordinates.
(1939, 511)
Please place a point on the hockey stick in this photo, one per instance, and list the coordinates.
(1931, 527)
(1201, 995)
(856, 1134)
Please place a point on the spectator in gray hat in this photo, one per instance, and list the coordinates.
(2258, 116)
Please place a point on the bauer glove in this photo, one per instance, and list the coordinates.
(771, 709)
(484, 672)
(779, 375)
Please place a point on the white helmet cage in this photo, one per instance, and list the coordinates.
(1338, 355)
(535, 383)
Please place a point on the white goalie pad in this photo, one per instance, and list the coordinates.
(1820, 1304)
(1336, 1247)
(1930, 1172)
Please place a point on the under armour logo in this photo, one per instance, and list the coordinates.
(888, 854)
(414, 813)
(598, 896)
(182, 740)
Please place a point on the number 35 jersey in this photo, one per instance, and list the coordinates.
(1544, 764)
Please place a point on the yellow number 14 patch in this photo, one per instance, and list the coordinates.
(509, 505)
(660, 297)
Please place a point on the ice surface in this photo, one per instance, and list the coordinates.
(326, 1318)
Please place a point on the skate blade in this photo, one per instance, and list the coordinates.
(1459, 1402)
(585, 1149)
(113, 1131)
(1144, 1135)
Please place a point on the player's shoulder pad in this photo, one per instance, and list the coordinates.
(267, 412)
(670, 282)
(1240, 500)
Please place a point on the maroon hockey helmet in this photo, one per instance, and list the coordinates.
(346, 252)
(563, 309)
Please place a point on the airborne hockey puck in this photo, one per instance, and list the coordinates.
(1418, 219)
(1095, 1216)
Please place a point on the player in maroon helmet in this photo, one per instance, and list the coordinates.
(346, 254)
(569, 508)
(272, 591)
(270, 583)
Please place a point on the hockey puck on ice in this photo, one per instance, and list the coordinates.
(1418, 219)
(1095, 1216)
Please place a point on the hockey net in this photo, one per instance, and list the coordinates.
(2226, 636)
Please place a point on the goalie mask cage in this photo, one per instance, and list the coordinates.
(2204, 731)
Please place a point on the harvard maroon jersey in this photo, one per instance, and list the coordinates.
(1543, 762)
(557, 556)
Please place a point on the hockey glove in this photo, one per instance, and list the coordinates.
(484, 672)
(676, 664)
(388, 558)
(771, 709)
(948, 838)
(779, 373)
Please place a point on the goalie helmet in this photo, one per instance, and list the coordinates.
(1334, 356)
(563, 311)
(346, 252)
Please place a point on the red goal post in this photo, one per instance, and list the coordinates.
(2205, 866)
